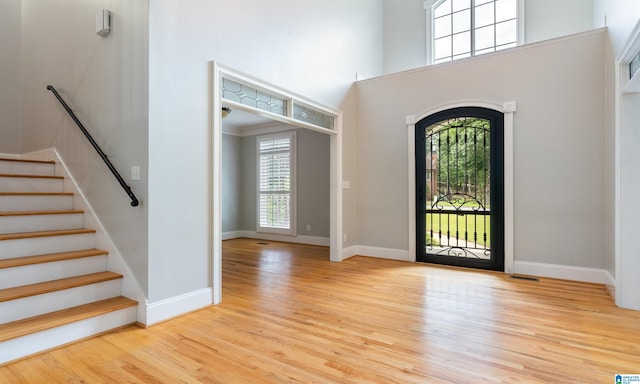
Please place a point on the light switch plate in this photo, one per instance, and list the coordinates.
(135, 172)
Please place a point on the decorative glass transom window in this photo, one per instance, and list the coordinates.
(276, 182)
(634, 65)
(463, 28)
(244, 93)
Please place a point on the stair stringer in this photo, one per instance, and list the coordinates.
(115, 262)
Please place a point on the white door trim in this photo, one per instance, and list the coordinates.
(508, 109)
(215, 216)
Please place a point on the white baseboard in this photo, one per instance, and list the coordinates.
(42, 154)
(233, 235)
(300, 239)
(611, 285)
(349, 252)
(176, 306)
(589, 275)
(384, 253)
(377, 252)
(565, 272)
(10, 155)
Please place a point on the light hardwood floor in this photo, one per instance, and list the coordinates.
(290, 316)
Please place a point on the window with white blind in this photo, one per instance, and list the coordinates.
(276, 183)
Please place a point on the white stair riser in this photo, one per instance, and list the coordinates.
(38, 273)
(53, 301)
(30, 184)
(27, 307)
(28, 345)
(33, 223)
(35, 203)
(43, 245)
(23, 168)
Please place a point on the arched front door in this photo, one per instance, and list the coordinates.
(459, 188)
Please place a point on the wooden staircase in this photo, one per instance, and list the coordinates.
(54, 285)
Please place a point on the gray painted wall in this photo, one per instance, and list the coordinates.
(239, 175)
(232, 186)
(559, 144)
(10, 76)
(313, 183)
(105, 81)
(249, 182)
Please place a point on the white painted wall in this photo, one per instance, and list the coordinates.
(313, 48)
(105, 81)
(621, 16)
(405, 37)
(10, 76)
(548, 19)
(405, 27)
(559, 145)
(623, 157)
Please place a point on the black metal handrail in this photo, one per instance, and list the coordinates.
(127, 189)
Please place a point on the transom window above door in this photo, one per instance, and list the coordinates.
(464, 28)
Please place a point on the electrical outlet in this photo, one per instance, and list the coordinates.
(135, 172)
(308, 227)
(344, 237)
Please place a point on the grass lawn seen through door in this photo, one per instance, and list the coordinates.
(467, 227)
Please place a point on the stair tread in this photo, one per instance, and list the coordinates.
(27, 160)
(31, 176)
(50, 320)
(29, 235)
(50, 257)
(33, 213)
(56, 285)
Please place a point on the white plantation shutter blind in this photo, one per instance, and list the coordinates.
(275, 175)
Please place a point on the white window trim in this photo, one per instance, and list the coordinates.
(292, 231)
(428, 7)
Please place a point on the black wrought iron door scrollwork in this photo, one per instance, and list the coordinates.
(459, 188)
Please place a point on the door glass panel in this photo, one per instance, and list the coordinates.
(458, 191)
(458, 188)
